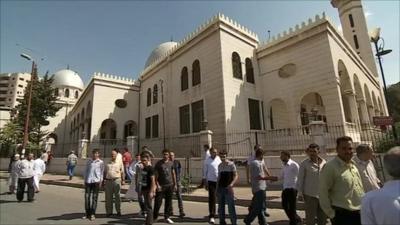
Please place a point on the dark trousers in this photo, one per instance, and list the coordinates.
(178, 194)
(256, 208)
(91, 195)
(148, 207)
(21, 188)
(166, 193)
(212, 198)
(344, 216)
(289, 200)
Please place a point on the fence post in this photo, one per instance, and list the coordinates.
(82, 148)
(317, 133)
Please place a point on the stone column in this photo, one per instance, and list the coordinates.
(131, 144)
(371, 113)
(205, 138)
(351, 97)
(364, 118)
(82, 148)
(317, 132)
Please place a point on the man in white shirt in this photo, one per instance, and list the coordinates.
(211, 175)
(366, 168)
(205, 155)
(307, 185)
(382, 206)
(289, 174)
(40, 168)
(25, 171)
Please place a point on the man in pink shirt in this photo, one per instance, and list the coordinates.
(127, 160)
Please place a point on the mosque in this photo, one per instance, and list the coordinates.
(222, 79)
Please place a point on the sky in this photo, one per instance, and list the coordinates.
(116, 37)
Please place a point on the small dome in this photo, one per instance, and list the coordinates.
(160, 51)
(67, 78)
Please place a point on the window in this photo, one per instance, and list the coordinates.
(21, 78)
(351, 20)
(197, 115)
(236, 66)
(155, 126)
(4, 85)
(155, 94)
(76, 94)
(356, 41)
(254, 113)
(249, 71)
(184, 119)
(184, 79)
(4, 78)
(196, 79)
(3, 92)
(67, 93)
(148, 96)
(148, 127)
(20, 85)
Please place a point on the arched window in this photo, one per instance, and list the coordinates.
(196, 73)
(236, 66)
(184, 79)
(149, 97)
(76, 94)
(155, 94)
(66, 93)
(249, 71)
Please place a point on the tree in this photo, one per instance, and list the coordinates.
(393, 97)
(43, 105)
(10, 136)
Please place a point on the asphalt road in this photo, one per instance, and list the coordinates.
(65, 205)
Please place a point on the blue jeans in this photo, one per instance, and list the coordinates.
(70, 170)
(257, 208)
(224, 196)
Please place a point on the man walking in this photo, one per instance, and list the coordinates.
(72, 160)
(178, 192)
(40, 168)
(93, 177)
(127, 159)
(340, 186)
(289, 174)
(211, 175)
(227, 177)
(166, 184)
(307, 185)
(258, 185)
(382, 205)
(205, 155)
(26, 171)
(366, 168)
(114, 178)
(147, 186)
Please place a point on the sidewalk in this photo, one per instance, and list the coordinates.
(243, 194)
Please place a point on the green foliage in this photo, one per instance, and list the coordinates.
(186, 184)
(386, 142)
(393, 96)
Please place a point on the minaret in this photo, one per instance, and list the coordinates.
(355, 30)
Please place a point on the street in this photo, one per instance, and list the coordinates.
(65, 205)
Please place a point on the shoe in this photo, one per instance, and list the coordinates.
(168, 220)
(212, 221)
(84, 217)
(118, 214)
(92, 217)
(244, 221)
(108, 215)
(181, 215)
(266, 214)
(70, 177)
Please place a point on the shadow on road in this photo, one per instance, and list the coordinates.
(68, 216)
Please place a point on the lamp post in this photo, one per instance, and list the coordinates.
(28, 110)
(163, 113)
(380, 51)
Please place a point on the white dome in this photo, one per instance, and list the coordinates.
(67, 78)
(160, 51)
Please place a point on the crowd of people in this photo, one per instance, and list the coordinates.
(345, 189)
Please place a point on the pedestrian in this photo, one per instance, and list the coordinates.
(93, 178)
(72, 160)
(258, 184)
(127, 159)
(211, 175)
(307, 185)
(131, 193)
(289, 174)
(114, 179)
(178, 192)
(340, 186)
(205, 155)
(363, 162)
(136, 168)
(40, 168)
(382, 206)
(166, 185)
(146, 150)
(45, 156)
(13, 179)
(26, 171)
(227, 177)
(147, 187)
(252, 157)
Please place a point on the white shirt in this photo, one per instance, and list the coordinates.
(368, 174)
(211, 168)
(382, 206)
(40, 166)
(289, 174)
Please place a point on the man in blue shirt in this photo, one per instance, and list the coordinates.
(177, 168)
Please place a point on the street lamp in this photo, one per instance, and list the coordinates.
(163, 110)
(380, 51)
(28, 110)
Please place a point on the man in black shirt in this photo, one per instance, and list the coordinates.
(166, 184)
(147, 187)
(178, 192)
